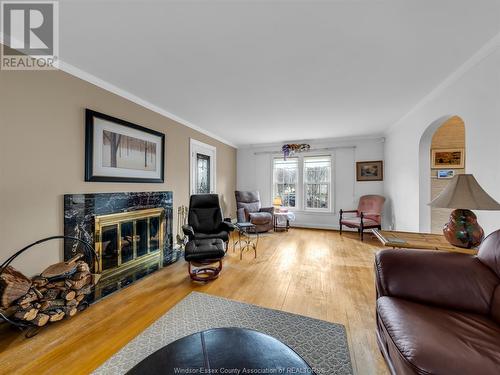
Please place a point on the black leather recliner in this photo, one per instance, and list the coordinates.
(205, 219)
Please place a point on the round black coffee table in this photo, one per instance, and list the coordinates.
(222, 350)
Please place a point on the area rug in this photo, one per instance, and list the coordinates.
(322, 344)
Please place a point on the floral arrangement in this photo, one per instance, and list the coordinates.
(291, 148)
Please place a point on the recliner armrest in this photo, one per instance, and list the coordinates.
(188, 230)
(241, 215)
(450, 280)
(226, 226)
(267, 209)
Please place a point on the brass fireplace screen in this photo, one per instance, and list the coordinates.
(128, 239)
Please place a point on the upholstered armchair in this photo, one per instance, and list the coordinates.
(368, 215)
(249, 210)
(205, 219)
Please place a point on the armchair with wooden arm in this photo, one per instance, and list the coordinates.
(368, 215)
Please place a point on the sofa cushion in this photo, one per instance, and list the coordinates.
(259, 218)
(432, 340)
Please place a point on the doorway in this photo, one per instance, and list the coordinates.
(448, 139)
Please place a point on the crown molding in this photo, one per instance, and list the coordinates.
(487, 49)
(105, 85)
(318, 141)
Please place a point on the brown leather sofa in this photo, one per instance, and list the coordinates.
(249, 210)
(439, 312)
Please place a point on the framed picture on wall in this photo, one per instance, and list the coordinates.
(120, 151)
(451, 158)
(370, 170)
(445, 173)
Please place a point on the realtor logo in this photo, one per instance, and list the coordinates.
(30, 35)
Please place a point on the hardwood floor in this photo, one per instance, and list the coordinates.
(309, 272)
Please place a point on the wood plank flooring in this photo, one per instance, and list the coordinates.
(315, 273)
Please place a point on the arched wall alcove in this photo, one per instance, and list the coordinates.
(444, 126)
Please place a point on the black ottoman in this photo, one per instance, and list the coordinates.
(202, 254)
(224, 351)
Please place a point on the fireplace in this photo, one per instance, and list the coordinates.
(131, 232)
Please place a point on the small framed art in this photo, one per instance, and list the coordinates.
(370, 170)
(451, 158)
(445, 173)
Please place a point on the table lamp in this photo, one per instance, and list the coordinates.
(464, 194)
(277, 202)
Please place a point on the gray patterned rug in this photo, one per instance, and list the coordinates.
(322, 344)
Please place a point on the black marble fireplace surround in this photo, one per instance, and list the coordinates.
(80, 213)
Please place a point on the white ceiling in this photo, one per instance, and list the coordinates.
(266, 71)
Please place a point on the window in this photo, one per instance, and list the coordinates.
(317, 179)
(285, 180)
(202, 167)
(202, 174)
(304, 182)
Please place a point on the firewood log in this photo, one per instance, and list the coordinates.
(85, 290)
(26, 314)
(79, 275)
(41, 319)
(39, 281)
(56, 315)
(27, 299)
(38, 293)
(82, 266)
(13, 285)
(72, 303)
(70, 311)
(68, 295)
(52, 305)
(80, 297)
(81, 283)
(51, 294)
(62, 268)
(59, 284)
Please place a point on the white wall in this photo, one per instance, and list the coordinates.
(254, 172)
(473, 93)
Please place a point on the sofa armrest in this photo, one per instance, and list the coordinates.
(267, 209)
(450, 280)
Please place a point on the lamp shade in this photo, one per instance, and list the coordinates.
(277, 201)
(464, 192)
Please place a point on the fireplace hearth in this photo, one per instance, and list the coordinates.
(131, 232)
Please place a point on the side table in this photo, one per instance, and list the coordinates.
(248, 238)
(282, 220)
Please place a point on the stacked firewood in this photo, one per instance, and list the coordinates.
(57, 293)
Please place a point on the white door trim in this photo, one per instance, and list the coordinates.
(195, 147)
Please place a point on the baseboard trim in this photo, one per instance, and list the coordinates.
(321, 226)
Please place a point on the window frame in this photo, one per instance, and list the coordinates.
(304, 183)
(297, 183)
(300, 190)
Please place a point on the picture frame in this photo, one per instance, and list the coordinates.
(370, 170)
(445, 173)
(450, 158)
(120, 151)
